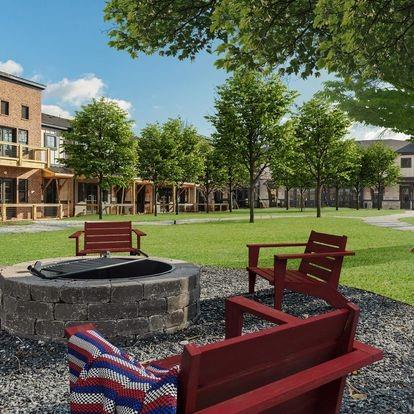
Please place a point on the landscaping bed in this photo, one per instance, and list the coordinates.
(33, 374)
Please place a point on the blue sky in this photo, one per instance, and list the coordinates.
(63, 44)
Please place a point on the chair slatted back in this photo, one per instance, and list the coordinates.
(108, 235)
(217, 372)
(327, 269)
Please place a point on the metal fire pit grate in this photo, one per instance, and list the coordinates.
(101, 268)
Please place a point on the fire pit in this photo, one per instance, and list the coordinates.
(124, 297)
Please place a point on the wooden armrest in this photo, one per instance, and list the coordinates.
(139, 232)
(76, 235)
(72, 330)
(259, 245)
(278, 392)
(313, 255)
(237, 306)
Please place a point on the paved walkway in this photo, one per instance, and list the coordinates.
(390, 221)
(394, 221)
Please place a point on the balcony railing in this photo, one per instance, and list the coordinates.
(27, 211)
(20, 155)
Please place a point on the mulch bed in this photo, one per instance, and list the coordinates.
(33, 374)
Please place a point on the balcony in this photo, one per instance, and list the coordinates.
(20, 155)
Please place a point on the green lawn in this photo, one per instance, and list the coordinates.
(242, 213)
(16, 223)
(409, 220)
(383, 262)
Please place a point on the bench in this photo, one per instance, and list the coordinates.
(108, 236)
(299, 366)
(318, 273)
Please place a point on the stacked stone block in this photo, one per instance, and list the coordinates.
(120, 308)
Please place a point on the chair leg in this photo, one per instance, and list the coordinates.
(252, 281)
(278, 297)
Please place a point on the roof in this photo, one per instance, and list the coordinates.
(22, 81)
(56, 122)
(56, 171)
(401, 147)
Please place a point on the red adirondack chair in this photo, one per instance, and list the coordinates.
(299, 366)
(108, 236)
(318, 273)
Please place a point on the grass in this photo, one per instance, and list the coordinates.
(409, 220)
(241, 213)
(16, 223)
(383, 262)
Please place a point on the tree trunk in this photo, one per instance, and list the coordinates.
(230, 196)
(358, 201)
(251, 199)
(100, 200)
(336, 198)
(379, 197)
(154, 198)
(176, 200)
(287, 198)
(318, 198)
(301, 200)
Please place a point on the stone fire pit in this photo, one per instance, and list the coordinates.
(120, 308)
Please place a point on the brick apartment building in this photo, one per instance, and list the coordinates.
(33, 182)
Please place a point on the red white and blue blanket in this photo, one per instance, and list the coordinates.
(105, 380)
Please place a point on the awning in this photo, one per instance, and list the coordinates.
(57, 172)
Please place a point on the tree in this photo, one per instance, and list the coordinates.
(370, 39)
(374, 104)
(252, 104)
(212, 176)
(381, 170)
(225, 142)
(340, 172)
(283, 165)
(157, 148)
(101, 145)
(319, 130)
(186, 155)
(358, 179)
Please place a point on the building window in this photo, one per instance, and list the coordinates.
(4, 108)
(23, 191)
(25, 112)
(405, 162)
(50, 141)
(23, 136)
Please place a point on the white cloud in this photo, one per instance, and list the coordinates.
(367, 132)
(56, 111)
(12, 67)
(76, 92)
(125, 105)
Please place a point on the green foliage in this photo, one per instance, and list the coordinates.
(371, 39)
(157, 154)
(188, 155)
(374, 104)
(380, 168)
(368, 39)
(212, 176)
(171, 28)
(356, 177)
(101, 145)
(320, 131)
(248, 111)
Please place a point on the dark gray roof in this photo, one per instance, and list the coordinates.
(55, 122)
(401, 147)
(22, 81)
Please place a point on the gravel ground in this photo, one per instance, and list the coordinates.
(33, 374)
